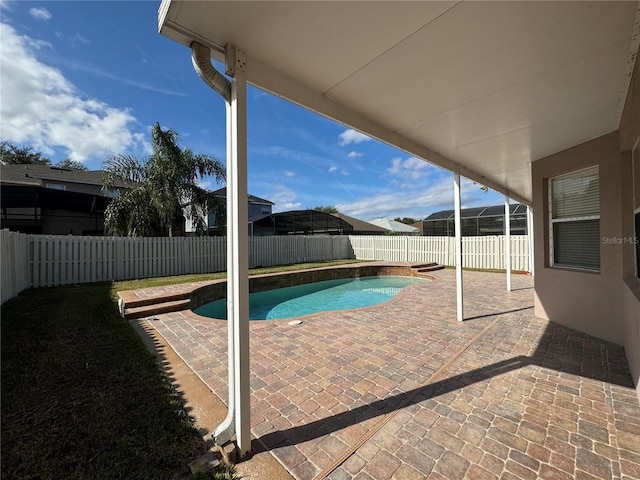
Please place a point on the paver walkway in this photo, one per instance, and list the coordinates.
(404, 391)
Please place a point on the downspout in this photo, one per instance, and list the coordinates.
(201, 59)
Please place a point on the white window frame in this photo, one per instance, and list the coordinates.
(635, 158)
(56, 186)
(553, 221)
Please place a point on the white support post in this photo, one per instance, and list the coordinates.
(458, 232)
(507, 241)
(239, 271)
(530, 237)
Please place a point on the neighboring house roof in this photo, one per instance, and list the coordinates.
(34, 175)
(360, 225)
(222, 193)
(393, 226)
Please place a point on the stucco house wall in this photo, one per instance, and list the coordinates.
(605, 304)
(630, 287)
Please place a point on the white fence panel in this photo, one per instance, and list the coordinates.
(520, 252)
(15, 277)
(477, 252)
(49, 260)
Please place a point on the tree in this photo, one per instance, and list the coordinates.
(11, 154)
(327, 209)
(71, 165)
(161, 191)
(407, 220)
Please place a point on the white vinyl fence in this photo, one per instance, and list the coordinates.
(14, 264)
(49, 260)
(477, 252)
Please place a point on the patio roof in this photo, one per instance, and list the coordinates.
(484, 87)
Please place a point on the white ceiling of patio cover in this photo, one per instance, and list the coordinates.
(490, 86)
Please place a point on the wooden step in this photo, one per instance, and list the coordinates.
(156, 308)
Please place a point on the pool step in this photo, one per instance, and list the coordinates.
(155, 309)
(171, 297)
(424, 268)
(145, 307)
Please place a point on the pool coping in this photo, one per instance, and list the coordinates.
(399, 296)
(199, 293)
(272, 281)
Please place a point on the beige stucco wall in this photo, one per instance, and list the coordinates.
(604, 304)
(586, 301)
(630, 288)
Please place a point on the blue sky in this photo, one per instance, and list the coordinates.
(85, 80)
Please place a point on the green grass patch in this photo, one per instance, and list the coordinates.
(163, 281)
(82, 398)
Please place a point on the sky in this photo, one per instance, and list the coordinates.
(85, 80)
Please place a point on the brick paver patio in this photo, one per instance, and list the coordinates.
(404, 391)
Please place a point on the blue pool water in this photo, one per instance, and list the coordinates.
(316, 297)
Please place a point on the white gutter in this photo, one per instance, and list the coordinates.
(200, 57)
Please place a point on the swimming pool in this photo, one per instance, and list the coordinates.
(343, 294)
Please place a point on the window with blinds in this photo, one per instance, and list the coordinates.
(575, 219)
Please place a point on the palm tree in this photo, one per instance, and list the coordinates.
(161, 191)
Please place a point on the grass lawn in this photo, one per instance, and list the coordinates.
(82, 398)
(162, 281)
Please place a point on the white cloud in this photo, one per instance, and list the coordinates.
(41, 108)
(316, 162)
(40, 13)
(208, 183)
(77, 38)
(83, 67)
(351, 136)
(418, 203)
(354, 154)
(284, 199)
(341, 171)
(410, 169)
(289, 173)
(401, 203)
